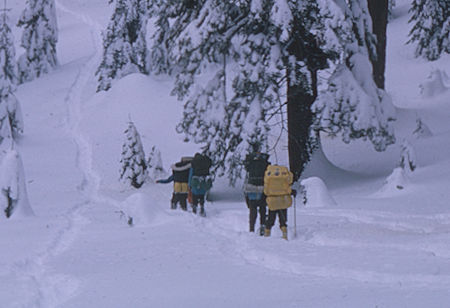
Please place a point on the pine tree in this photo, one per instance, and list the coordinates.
(422, 130)
(408, 157)
(391, 6)
(253, 72)
(124, 43)
(13, 192)
(353, 106)
(134, 168)
(154, 164)
(431, 28)
(39, 38)
(11, 123)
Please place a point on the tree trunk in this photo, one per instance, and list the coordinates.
(379, 12)
(300, 118)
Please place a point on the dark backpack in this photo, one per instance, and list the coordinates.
(200, 165)
(255, 165)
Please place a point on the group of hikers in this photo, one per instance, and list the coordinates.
(266, 186)
(191, 180)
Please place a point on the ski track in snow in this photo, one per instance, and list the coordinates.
(247, 247)
(90, 185)
(49, 289)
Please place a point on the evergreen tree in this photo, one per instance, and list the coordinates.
(154, 164)
(407, 157)
(422, 130)
(13, 192)
(6, 138)
(11, 123)
(134, 168)
(124, 43)
(391, 5)
(254, 71)
(353, 106)
(39, 38)
(431, 28)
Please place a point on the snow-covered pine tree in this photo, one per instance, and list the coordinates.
(391, 6)
(202, 42)
(353, 106)
(134, 167)
(154, 164)
(11, 122)
(13, 191)
(431, 28)
(172, 18)
(407, 157)
(422, 130)
(39, 38)
(124, 43)
(6, 139)
(253, 71)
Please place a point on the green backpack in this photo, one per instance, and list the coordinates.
(201, 182)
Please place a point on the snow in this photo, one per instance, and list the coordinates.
(437, 83)
(316, 193)
(80, 249)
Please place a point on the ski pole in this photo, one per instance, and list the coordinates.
(295, 218)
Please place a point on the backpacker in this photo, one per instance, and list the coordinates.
(200, 165)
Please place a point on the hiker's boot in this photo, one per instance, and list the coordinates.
(261, 230)
(173, 206)
(202, 211)
(183, 207)
(194, 209)
(252, 229)
(284, 230)
(266, 232)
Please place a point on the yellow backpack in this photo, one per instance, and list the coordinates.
(277, 187)
(277, 181)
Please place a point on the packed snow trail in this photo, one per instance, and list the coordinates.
(297, 256)
(47, 289)
(90, 185)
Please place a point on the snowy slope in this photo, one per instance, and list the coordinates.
(377, 246)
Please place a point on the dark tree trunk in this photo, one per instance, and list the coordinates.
(299, 120)
(379, 12)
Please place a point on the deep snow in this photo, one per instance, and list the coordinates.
(374, 246)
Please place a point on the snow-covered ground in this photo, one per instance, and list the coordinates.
(361, 242)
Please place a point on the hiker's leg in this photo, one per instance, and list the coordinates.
(252, 215)
(173, 201)
(183, 201)
(195, 200)
(202, 205)
(282, 216)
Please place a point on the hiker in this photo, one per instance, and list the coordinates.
(199, 181)
(255, 164)
(278, 191)
(180, 178)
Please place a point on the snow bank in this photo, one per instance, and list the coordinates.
(395, 182)
(316, 193)
(138, 209)
(436, 84)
